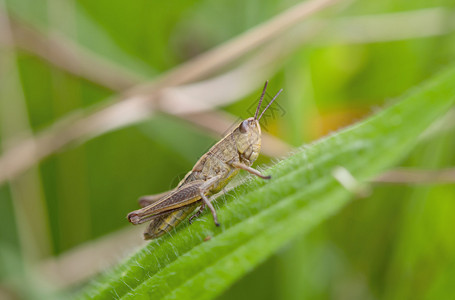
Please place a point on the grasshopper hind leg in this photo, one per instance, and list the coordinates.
(166, 222)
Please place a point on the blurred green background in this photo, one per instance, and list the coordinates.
(399, 243)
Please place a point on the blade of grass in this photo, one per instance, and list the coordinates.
(266, 215)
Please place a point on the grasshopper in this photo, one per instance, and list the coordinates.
(237, 150)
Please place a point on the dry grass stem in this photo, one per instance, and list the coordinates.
(416, 176)
(138, 104)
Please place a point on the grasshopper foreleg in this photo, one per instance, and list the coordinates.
(251, 170)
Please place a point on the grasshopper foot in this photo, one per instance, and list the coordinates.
(191, 219)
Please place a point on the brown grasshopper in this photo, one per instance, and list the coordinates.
(237, 150)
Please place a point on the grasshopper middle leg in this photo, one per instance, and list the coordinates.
(212, 209)
(203, 189)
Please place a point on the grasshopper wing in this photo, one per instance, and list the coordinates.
(150, 199)
(185, 195)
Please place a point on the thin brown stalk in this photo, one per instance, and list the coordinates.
(65, 54)
(378, 28)
(28, 201)
(138, 104)
(206, 63)
(417, 176)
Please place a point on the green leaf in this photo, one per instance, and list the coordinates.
(260, 216)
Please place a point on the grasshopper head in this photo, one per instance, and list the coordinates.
(248, 139)
(248, 133)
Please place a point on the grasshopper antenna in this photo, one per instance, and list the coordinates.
(260, 100)
(270, 103)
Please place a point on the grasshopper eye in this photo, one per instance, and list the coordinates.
(243, 127)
